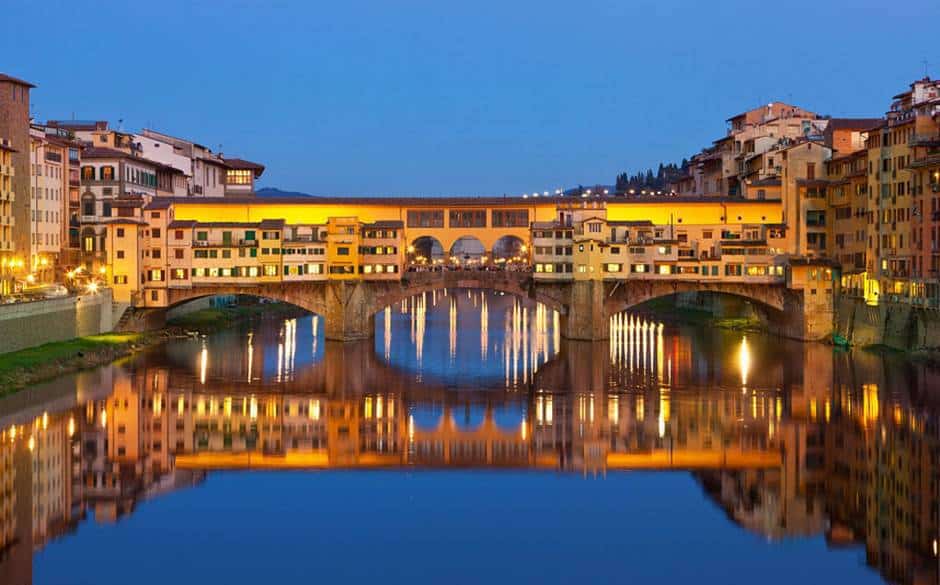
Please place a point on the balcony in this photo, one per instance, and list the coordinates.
(241, 243)
(303, 239)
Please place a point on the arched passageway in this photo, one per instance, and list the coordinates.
(425, 251)
(510, 251)
(467, 251)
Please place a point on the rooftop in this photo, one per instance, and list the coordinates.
(10, 79)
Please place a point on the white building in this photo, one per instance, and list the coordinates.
(49, 183)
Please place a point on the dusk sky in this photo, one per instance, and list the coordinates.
(475, 98)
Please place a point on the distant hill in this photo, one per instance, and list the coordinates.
(274, 192)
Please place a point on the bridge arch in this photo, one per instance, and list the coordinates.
(626, 295)
(310, 297)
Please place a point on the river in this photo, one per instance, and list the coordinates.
(469, 443)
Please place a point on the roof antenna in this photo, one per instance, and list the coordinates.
(120, 124)
(926, 64)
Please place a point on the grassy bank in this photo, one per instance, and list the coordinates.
(29, 366)
(23, 368)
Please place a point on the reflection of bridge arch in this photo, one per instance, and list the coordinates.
(519, 284)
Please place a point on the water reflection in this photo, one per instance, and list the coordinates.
(470, 355)
(789, 440)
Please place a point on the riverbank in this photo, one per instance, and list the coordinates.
(26, 367)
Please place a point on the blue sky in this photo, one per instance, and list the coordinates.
(441, 97)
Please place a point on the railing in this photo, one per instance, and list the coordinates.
(225, 243)
(303, 238)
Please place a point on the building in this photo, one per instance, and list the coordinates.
(49, 191)
(692, 238)
(8, 258)
(14, 130)
(204, 173)
(240, 176)
(153, 248)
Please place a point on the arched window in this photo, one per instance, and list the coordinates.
(88, 240)
(88, 204)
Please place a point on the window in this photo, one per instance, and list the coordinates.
(155, 275)
(238, 177)
(594, 227)
(107, 173)
(202, 236)
(155, 253)
(119, 254)
(179, 274)
(510, 218)
(342, 251)
(270, 270)
(155, 232)
(467, 218)
(120, 279)
(178, 234)
(178, 253)
(88, 173)
(426, 218)
(249, 235)
(119, 233)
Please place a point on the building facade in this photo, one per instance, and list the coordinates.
(14, 130)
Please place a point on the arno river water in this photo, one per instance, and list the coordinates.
(469, 444)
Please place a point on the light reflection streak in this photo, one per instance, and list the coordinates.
(388, 333)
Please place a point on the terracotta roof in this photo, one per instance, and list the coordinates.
(122, 220)
(631, 223)
(241, 164)
(765, 183)
(853, 123)
(387, 224)
(103, 152)
(11, 79)
(272, 223)
(127, 203)
(441, 202)
(213, 224)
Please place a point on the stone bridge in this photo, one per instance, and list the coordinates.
(585, 306)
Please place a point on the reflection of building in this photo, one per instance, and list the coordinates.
(785, 451)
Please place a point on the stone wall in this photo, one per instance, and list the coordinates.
(895, 325)
(25, 325)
